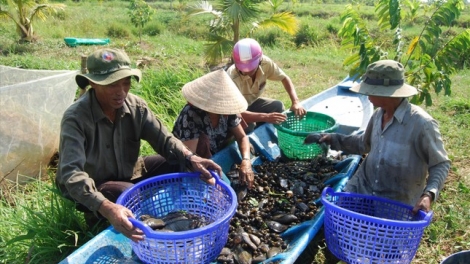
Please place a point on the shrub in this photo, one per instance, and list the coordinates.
(332, 29)
(61, 15)
(117, 31)
(307, 36)
(268, 38)
(153, 28)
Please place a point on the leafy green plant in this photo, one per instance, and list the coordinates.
(42, 224)
(117, 31)
(140, 13)
(153, 28)
(306, 36)
(429, 58)
(235, 18)
(24, 12)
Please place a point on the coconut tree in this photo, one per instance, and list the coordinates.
(232, 19)
(24, 12)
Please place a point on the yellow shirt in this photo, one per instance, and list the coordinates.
(252, 90)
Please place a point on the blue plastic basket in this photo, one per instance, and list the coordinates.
(167, 193)
(369, 229)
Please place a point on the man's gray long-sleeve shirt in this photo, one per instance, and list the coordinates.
(93, 149)
(403, 160)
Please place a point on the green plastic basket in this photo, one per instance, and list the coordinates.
(292, 132)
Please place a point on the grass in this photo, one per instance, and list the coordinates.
(41, 227)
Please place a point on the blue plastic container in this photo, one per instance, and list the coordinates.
(163, 194)
(462, 257)
(369, 229)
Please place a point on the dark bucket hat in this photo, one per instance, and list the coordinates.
(385, 78)
(106, 66)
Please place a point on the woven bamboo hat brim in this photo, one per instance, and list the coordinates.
(216, 93)
(385, 78)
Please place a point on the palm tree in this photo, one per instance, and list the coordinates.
(235, 18)
(23, 12)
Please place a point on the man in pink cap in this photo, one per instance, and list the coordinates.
(250, 72)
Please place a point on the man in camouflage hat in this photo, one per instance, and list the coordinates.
(406, 160)
(100, 141)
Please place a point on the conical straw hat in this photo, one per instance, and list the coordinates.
(216, 93)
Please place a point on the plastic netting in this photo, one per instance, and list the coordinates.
(33, 102)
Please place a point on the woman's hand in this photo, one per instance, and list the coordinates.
(246, 174)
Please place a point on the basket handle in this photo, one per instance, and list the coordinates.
(327, 191)
(216, 176)
(429, 216)
(145, 228)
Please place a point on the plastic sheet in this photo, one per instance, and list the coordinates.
(32, 103)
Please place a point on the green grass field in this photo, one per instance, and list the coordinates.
(174, 56)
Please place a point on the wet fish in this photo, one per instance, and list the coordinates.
(273, 252)
(241, 191)
(181, 225)
(247, 240)
(258, 259)
(176, 215)
(256, 240)
(276, 226)
(225, 256)
(242, 256)
(154, 223)
(284, 219)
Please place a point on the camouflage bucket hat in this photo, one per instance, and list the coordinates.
(385, 78)
(106, 66)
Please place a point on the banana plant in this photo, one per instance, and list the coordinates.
(232, 19)
(429, 58)
(24, 12)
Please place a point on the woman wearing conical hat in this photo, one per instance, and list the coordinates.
(211, 119)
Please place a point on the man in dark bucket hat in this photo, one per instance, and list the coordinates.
(106, 66)
(100, 141)
(406, 160)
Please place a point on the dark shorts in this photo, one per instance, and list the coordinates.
(153, 166)
(263, 105)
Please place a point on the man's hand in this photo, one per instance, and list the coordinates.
(317, 138)
(424, 203)
(204, 165)
(275, 118)
(298, 109)
(117, 216)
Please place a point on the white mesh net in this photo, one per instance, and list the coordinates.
(31, 106)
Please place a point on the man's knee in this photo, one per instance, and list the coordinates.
(277, 106)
